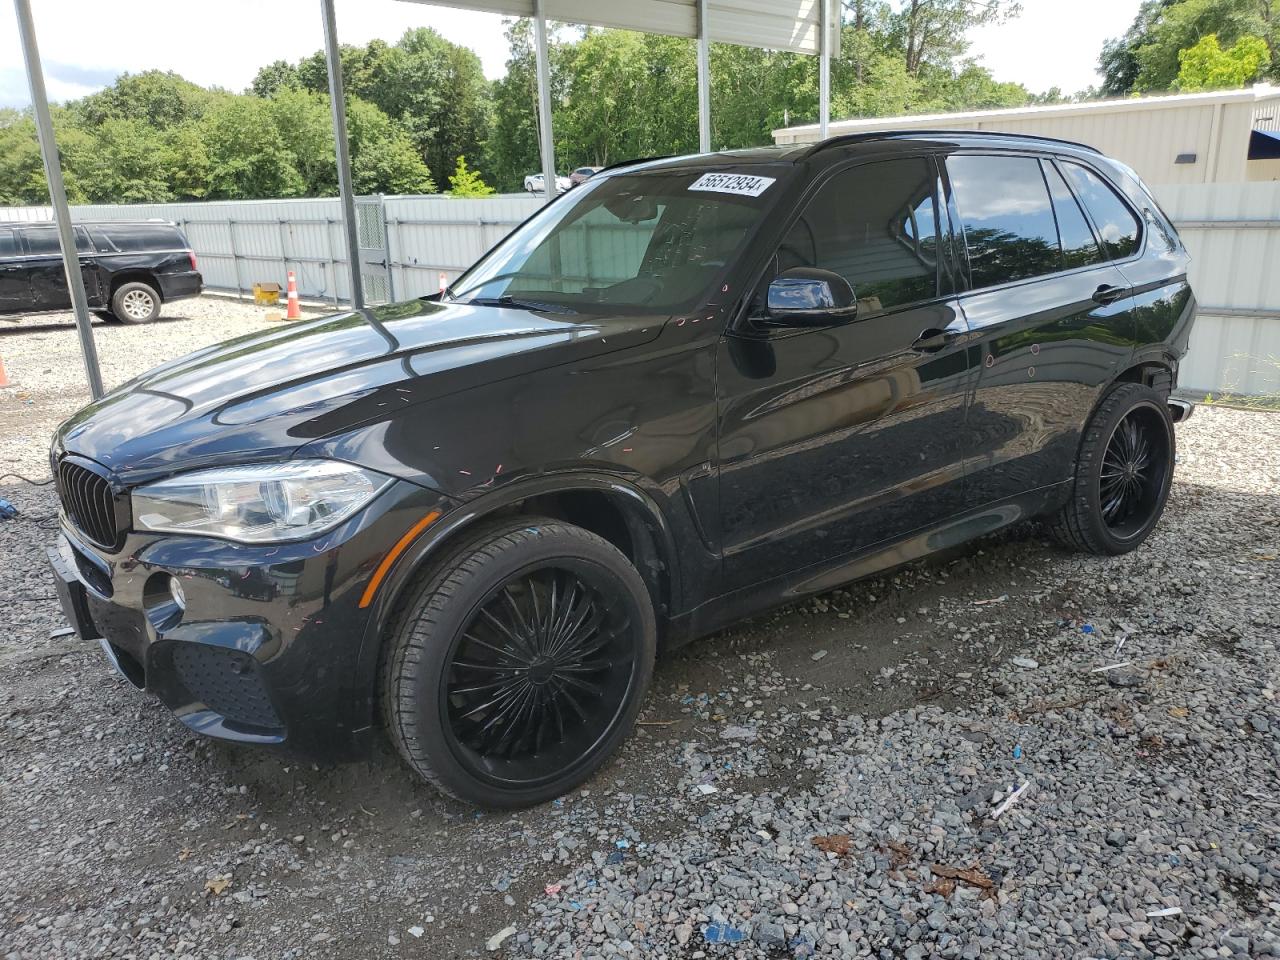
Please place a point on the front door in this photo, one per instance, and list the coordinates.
(15, 284)
(1050, 314)
(837, 437)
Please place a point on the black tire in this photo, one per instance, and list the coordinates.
(1122, 474)
(445, 654)
(135, 302)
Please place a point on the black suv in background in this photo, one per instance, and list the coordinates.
(686, 391)
(130, 268)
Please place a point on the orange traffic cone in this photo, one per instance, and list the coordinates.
(293, 313)
(4, 377)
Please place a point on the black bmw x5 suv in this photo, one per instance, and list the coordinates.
(686, 391)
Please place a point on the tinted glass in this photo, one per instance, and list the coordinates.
(8, 244)
(44, 240)
(1079, 247)
(1116, 223)
(1007, 217)
(134, 237)
(632, 242)
(876, 226)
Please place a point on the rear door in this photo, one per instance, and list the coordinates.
(837, 437)
(44, 266)
(15, 284)
(1051, 316)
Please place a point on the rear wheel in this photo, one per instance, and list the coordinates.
(135, 302)
(519, 664)
(1123, 473)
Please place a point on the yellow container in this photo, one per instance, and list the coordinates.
(266, 294)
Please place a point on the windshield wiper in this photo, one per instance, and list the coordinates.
(506, 300)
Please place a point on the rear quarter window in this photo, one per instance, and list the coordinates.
(1116, 223)
(8, 243)
(133, 238)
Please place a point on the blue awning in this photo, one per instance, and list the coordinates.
(1264, 145)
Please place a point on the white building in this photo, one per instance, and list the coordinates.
(1226, 137)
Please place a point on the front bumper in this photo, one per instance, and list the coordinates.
(272, 646)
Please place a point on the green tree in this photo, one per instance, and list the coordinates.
(433, 89)
(467, 183)
(383, 158)
(1147, 57)
(162, 99)
(512, 148)
(274, 77)
(936, 31)
(1206, 66)
(247, 156)
(125, 161)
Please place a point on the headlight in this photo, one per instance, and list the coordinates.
(257, 504)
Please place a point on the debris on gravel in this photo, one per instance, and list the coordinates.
(1009, 752)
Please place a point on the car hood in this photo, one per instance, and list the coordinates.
(262, 396)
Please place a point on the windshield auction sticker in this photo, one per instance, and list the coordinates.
(736, 183)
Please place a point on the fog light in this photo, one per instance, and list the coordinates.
(175, 591)
(164, 601)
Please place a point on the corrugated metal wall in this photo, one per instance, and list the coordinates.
(1211, 132)
(428, 236)
(1232, 230)
(1233, 233)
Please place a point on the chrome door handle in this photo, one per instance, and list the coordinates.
(931, 340)
(1109, 294)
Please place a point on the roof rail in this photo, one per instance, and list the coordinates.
(635, 160)
(907, 134)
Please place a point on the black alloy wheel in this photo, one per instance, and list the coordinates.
(519, 663)
(540, 674)
(1133, 473)
(1122, 474)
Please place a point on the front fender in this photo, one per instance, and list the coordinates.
(451, 530)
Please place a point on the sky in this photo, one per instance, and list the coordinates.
(85, 43)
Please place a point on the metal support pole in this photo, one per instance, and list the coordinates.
(346, 194)
(333, 260)
(58, 196)
(704, 80)
(545, 138)
(824, 68)
(235, 258)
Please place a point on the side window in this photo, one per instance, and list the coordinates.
(43, 241)
(1007, 216)
(877, 226)
(8, 243)
(1079, 246)
(1115, 221)
(102, 241)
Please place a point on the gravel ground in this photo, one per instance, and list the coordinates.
(823, 781)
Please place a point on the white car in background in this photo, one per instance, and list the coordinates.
(533, 183)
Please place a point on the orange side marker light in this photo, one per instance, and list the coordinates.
(393, 554)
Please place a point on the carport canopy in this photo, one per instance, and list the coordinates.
(800, 26)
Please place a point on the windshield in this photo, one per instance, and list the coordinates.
(642, 242)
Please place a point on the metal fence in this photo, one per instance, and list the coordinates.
(1233, 233)
(1232, 230)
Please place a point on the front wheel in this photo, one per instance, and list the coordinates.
(518, 665)
(1123, 473)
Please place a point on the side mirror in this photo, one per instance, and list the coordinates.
(809, 296)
